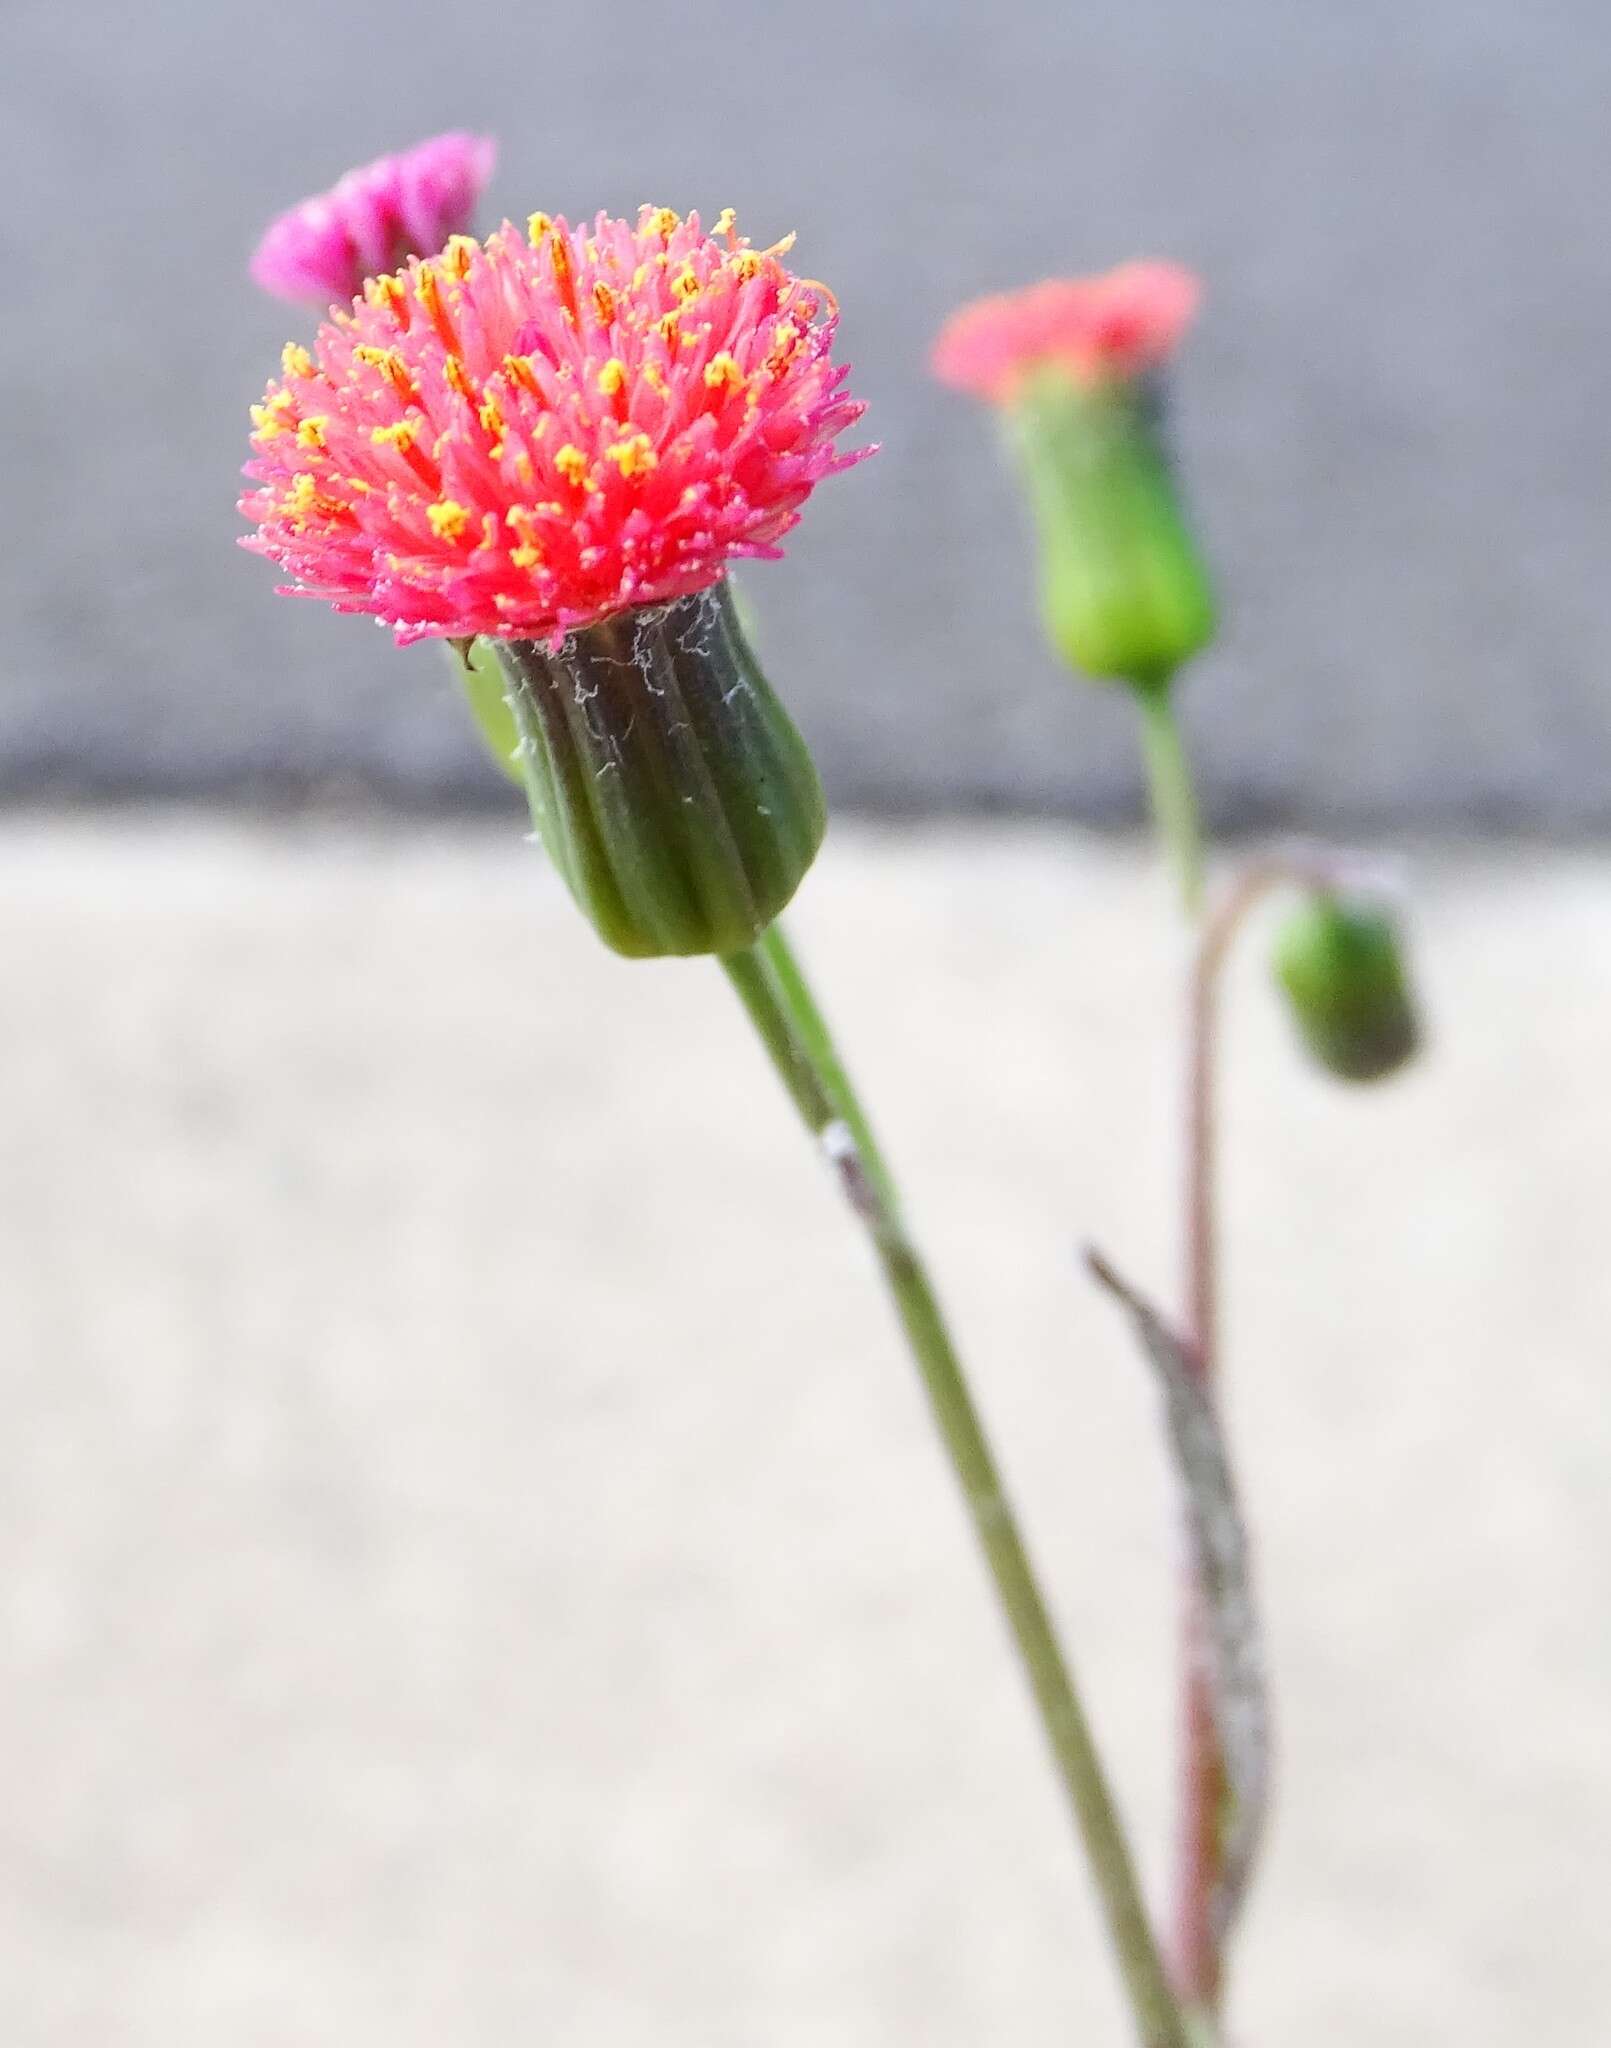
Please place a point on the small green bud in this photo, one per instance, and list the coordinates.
(666, 781)
(1342, 968)
(1124, 591)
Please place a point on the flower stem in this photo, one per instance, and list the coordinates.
(1169, 781)
(817, 1045)
(773, 990)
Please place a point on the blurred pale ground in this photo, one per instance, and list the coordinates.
(1393, 419)
(477, 1570)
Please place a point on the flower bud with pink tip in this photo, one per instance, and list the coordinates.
(1073, 363)
(373, 219)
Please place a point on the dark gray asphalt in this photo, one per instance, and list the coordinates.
(1394, 418)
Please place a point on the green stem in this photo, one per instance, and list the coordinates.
(817, 1046)
(1169, 780)
(774, 992)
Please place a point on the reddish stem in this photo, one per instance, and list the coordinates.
(1198, 1959)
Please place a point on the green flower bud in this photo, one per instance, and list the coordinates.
(666, 781)
(1342, 968)
(1124, 591)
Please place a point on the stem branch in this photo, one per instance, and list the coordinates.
(1198, 1950)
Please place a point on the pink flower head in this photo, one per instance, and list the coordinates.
(375, 218)
(519, 437)
(1115, 326)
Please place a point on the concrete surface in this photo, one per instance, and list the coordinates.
(1392, 420)
(475, 1567)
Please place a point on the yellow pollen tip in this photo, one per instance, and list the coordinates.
(454, 372)
(310, 434)
(295, 360)
(304, 499)
(519, 371)
(665, 222)
(559, 255)
(747, 264)
(537, 227)
(448, 520)
(428, 288)
(685, 285)
(612, 378)
(726, 221)
(400, 435)
(634, 456)
(667, 324)
(722, 372)
(571, 463)
(385, 295)
(604, 302)
(390, 365)
(525, 556)
(460, 253)
(779, 355)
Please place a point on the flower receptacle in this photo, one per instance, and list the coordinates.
(1124, 590)
(666, 781)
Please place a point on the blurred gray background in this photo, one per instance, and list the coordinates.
(1393, 418)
